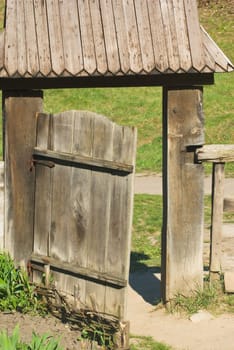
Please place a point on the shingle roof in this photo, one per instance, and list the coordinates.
(66, 38)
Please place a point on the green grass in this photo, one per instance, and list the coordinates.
(13, 342)
(146, 236)
(146, 343)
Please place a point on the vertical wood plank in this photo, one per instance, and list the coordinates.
(71, 36)
(145, 35)
(169, 34)
(21, 38)
(182, 263)
(55, 37)
(98, 36)
(31, 39)
(43, 192)
(42, 37)
(11, 37)
(132, 37)
(216, 219)
(110, 36)
(121, 35)
(20, 136)
(157, 32)
(87, 36)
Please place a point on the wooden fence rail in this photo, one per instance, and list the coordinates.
(218, 155)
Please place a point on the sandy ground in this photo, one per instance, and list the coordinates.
(212, 333)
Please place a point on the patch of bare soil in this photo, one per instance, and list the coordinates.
(40, 325)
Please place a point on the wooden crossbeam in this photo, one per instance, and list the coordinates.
(215, 153)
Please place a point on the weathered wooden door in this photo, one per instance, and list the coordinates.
(83, 206)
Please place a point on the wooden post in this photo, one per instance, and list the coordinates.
(216, 220)
(183, 189)
(20, 108)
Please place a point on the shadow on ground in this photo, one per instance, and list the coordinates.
(145, 280)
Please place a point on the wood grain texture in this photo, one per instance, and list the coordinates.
(182, 265)
(91, 208)
(77, 38)
(216, 218)
(20, 138)
(215, 153)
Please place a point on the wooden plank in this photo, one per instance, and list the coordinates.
(170, 35)
(55, 37)
(132, 37)
(43, 192)
(31, 39)
(68, 158)
(11, 38)
(71, 36)
(21, 39)
(216, 219)
(145, 38)
(79, 271)
(98, 36)
(183, 191)
(42, 32)
(215, 153)
(20, 131)
(222, 63)
(121, 36)
(62, 141)
(101, 186)
(112, 53)
(2, 49)
(228, 204)
(87, 39)
(158, 38)
(194, 33)
(182, 35)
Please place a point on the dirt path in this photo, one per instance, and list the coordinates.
(214, 333)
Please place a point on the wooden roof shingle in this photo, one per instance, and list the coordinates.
(81, 38)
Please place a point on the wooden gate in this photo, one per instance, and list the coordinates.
(83, 207)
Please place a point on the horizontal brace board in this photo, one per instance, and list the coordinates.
(85, 273)
(215, 153)
(62, 157)
(187, 79)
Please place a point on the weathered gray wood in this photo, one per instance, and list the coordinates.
(79, 270)
(215, 153)
(43, 192)
(110, 36)
(98, 36)
(134, 50)
(182, 265)
(20, 136)
(42, 37)
(228, 204)
(71, 36)
(216, 219)
(159, 40)
(88, 50)
(55, 37)
(89, 161)
(91, 208)
(145, 37)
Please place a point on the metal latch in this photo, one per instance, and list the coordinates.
(46, 163)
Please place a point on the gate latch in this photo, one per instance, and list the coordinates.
(46, 163)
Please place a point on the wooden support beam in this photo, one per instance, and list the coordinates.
(183, 192)
(215, 153)
(216, 220)
(20, 108)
